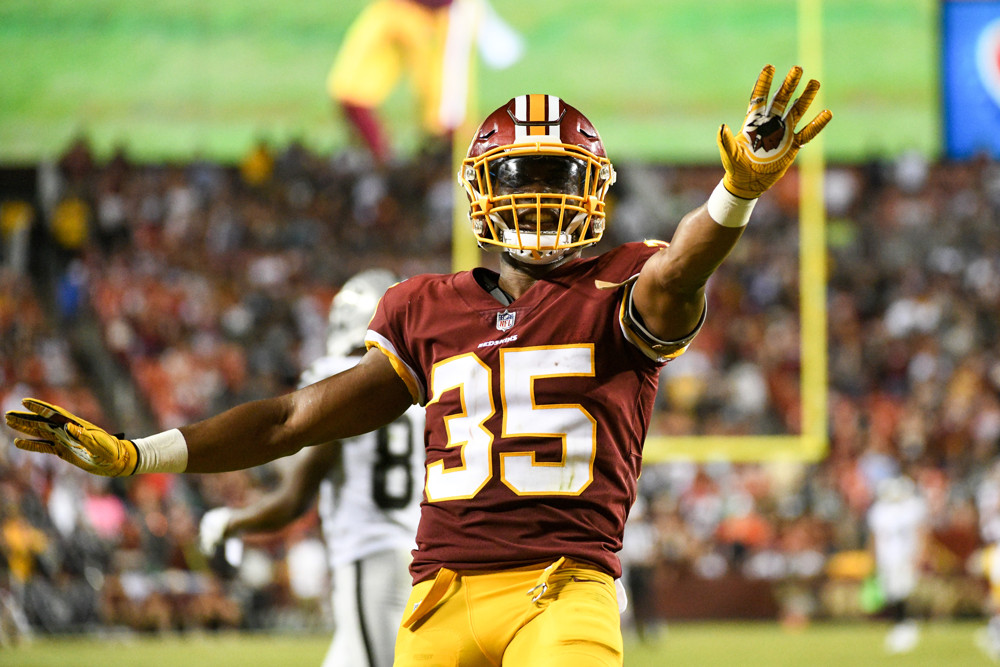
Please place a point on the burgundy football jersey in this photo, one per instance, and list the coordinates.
(536, 413)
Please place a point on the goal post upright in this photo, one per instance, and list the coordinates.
(811, 444)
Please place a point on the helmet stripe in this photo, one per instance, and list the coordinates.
(537, 108)
(537, 118)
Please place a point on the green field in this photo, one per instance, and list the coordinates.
(180, 78)
(681, 645)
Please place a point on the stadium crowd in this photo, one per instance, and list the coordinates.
(208, 285)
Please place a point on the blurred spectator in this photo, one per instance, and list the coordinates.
(207, 289)
(77, 163)
(16, 218)
(257, 167)
(70, 225)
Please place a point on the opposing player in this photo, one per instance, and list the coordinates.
(898, 524)
(538, 382)
(369, 491)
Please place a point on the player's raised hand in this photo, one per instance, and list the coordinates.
(767, 143)
(56, 431)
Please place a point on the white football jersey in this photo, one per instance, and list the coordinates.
(373, 505)
(896, 527)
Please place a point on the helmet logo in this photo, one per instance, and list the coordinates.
(505, 320)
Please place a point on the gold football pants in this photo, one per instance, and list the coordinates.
(563, 615)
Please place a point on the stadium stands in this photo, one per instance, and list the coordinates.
(204, 289)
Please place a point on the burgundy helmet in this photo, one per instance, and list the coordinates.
(536, 174)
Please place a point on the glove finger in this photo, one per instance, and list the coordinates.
(801, 105)
(29, 423)
(812, 129)
(761, 89)
(39, 407)
(94, 447)
(54, 413)
(727, 144)
(41, 446)
(785, 92)
(48, 447)
(79, 433)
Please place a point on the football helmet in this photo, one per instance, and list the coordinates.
(536, 174)
(353, 308)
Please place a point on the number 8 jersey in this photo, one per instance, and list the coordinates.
(536, 410)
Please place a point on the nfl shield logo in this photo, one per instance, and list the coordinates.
(505, 320)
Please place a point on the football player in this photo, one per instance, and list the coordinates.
(538, 382)
(369, 490)
(432, 41)
(386, 37)
(898, 524)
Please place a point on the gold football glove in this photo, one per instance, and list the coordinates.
(72, 439)
(767, 143)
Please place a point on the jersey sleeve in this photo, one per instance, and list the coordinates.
(386, 331)
(629, 319)
(635, 330)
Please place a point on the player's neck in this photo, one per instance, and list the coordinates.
(516, 277)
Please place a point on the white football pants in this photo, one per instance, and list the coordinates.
(368, 600)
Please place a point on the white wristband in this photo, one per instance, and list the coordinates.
(727, 209)
(163, 452)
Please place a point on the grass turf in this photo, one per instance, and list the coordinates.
(679, 645)
(180, 78)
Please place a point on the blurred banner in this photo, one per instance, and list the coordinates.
(970, 77)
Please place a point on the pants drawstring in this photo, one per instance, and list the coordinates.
(541, 586)
(442, 582)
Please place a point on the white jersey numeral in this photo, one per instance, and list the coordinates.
(471, 377)
(522, 416)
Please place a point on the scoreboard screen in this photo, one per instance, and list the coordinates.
(970, 78)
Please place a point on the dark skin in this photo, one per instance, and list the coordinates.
(294, 494)
(359, 400)
(669, 295)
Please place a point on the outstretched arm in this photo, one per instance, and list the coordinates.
(297, 489)
(357, 401)
(669, 295)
